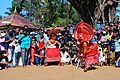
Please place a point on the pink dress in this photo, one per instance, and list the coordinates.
(32, 52)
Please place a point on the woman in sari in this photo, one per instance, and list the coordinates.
(33, 50)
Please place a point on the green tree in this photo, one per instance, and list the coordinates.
(45, 13)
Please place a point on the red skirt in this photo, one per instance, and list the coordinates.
(89, 60)
(52, 55)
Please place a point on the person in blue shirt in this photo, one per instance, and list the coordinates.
(25, 42)
(71, 30)
(117, 46)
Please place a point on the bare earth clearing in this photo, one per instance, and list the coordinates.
(54, 72)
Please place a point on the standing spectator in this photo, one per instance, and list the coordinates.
(17, 51)
(7, 37)
(112, 48)
(33, 50)
(104, 37)
(46, 38)
(41, 49)
(71, 30)
(99, 35)
(25, 45)
(2, 40)
(117, 46)
(62, 41)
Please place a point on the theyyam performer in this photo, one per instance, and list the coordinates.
(88, 51)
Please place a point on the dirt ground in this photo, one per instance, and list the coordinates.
(66, 72)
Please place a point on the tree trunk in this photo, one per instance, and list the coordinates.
(92, 10)
(69, 12)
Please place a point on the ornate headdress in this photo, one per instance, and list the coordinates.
(83, 32)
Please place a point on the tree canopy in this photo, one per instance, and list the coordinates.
(46, 13)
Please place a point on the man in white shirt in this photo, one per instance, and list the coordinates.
(65, 57)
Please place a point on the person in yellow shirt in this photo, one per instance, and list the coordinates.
(109, 35)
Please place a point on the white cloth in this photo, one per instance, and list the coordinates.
(104, 38)
(17, 49)
(117, 45)
(100, 51)
(102, 59)
(9, 54)
(64, 57)
(14, 62)
(20, 62)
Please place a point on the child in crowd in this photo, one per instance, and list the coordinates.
(102, 60)
(106, 53)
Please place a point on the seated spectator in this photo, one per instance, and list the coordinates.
(38, 59)
(118, 62)
(107, 54)
(102, 60)
(3, 62)
(65, 57)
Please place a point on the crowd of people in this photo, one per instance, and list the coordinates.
(22, 47)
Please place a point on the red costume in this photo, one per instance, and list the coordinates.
(41, 48)
(52, 52)
(52, 55)
(84, 33)
(32, 52)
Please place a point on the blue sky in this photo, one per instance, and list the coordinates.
(4, 4)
